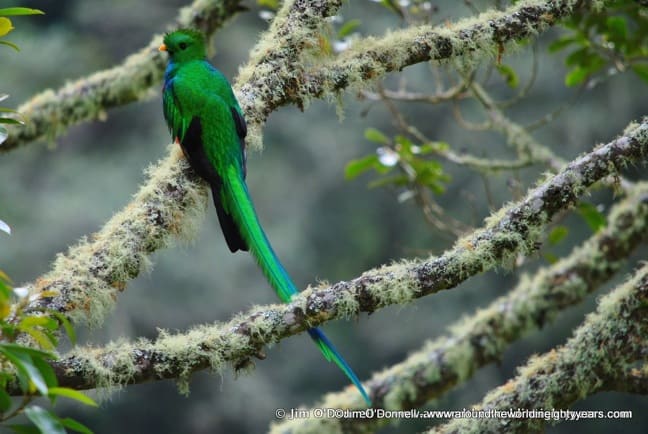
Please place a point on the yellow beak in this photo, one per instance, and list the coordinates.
(162, 47)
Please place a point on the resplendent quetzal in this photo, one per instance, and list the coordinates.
(204, 117)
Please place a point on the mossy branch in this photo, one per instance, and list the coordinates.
(270, 78)
(511, 231)
(606, 346)
(275, 75)
(265, 89)
(98, 266)
(631, 380)
(50, 113)
(484, 336)
(84, 282)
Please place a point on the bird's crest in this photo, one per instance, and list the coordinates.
(191, 32)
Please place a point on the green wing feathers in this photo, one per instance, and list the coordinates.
(177, 124)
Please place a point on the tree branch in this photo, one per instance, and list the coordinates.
(511, 231)
(608, 343)
(484, 336)
(371, 58)
(101, 269)
(88, 278)
(50, 113)
(270, 78)
(631, 380)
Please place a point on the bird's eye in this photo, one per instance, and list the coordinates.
(183, 45)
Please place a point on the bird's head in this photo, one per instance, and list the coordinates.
(184, 45)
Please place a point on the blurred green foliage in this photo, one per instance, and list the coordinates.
(408, 160)
(614, 38)
(31, 365)
(6, 26)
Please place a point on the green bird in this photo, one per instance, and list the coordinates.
(205, 118)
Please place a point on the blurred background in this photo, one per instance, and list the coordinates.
(323, 227)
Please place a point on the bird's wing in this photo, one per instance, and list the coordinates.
(177, 124)
(189, 132)
(241, 131)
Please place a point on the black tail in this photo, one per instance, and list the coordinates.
(230, 230)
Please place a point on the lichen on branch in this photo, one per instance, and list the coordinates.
(371, 58)
(607, 344)
(71, 286)
(511, 231)
(485, 335)
(84, 282)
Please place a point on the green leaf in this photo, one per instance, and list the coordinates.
(4, 277)
(37, 321)
(44, 420)
(356, 167)
(641, 69)
(47, 372)
(271, 4)
(576, 76)
(20, 11)
(391, 5)
(560, 43)
(11, 121)
(578, 57)
(6, 26)
(436, 187)
(5, 306)
(509, 75)
(67, 326)
(72, 394)
(557, 234)
(594, 219)
(5, 401)
(10, 44)
(373, 135)
(25, 429)
(432, 177)
(25, 366)
(550, 257)
(27, 369)
(426, 148)
(348, 28)
(618, 28)
(75, 426)
(397, 180)
(403, 141)
(33, 352)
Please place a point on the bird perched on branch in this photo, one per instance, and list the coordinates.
(204, 117)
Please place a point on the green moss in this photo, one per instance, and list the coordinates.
(85, 282)
(107, 375)
(347, 305)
